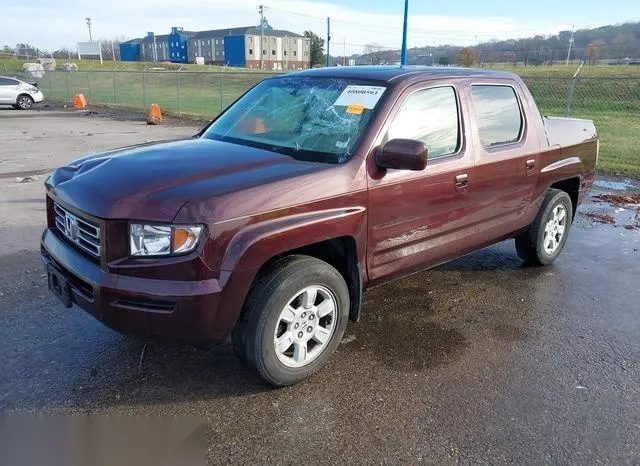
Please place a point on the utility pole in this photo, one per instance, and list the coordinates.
(570, 44)
(89, 26)
(261, 9)
(403, 55)
(328, 40)
(113, 51)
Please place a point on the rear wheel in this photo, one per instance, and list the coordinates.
(548, 234)
(293, 320)
(24, 102)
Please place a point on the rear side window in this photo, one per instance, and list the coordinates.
(430, 116)
(498, 114)
(8, 82)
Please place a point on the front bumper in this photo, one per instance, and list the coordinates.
(37, 96)
(182, 310)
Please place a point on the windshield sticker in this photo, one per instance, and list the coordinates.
(367, 96)
(355, 109)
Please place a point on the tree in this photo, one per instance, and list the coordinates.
(378, 55)
(467, 57)
(444, 61)
(317, 48)
(27, 51)
(64, 53)
(594, 49)
(109, 47)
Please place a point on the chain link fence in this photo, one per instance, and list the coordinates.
(583, 97)
(612, 102)
(205, 94)
(199, 94)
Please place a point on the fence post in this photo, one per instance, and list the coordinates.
(144, 91)
(49, 74)
(178, 90)
(89, 84)
(572, 85)
(115, 95)
(68, 86)
(221, 90)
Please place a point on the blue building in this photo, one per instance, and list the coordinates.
(178, 43)
(130, 50)
(240, 47)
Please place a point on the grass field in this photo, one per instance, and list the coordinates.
(10, 65)
(610, 95)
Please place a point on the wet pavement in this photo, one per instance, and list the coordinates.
(480, 360)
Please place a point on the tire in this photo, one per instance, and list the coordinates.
(543, 242)
(290, 283)
(24, 102)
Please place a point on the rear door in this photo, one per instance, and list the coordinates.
(506, 158)
(416, 217)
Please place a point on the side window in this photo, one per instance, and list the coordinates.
(498, 114)
(430, 116)
(8, 82)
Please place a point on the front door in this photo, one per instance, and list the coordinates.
(416, 218)
(8, 90)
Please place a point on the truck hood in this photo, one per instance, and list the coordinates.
(153, 181)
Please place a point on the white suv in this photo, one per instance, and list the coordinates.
(18, 94)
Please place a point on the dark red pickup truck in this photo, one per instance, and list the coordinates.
(313, 187)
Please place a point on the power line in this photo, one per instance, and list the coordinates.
(395, 30)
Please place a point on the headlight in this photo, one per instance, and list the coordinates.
(33, 89)
(163, 240)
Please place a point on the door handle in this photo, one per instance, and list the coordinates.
(530, 164)
(462, 182)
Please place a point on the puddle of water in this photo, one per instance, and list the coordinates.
(623, 185)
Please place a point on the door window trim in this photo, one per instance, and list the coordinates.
(523, 119)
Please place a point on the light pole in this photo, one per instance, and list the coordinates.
(261, 9)
(89, 26)
(570, 43)
(403, 55)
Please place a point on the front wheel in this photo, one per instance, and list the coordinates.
(547, 235)
(24, 102)
(293, 320)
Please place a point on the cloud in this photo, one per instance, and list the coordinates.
(51, 26)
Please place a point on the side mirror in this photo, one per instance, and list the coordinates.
(402, 154)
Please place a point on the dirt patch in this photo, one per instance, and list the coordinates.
(597, 217)
(620, 200)
(636, 222)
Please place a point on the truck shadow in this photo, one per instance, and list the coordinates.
(413, 325)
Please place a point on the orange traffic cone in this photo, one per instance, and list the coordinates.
(79, 101)
(154, 117)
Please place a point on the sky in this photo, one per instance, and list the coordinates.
(50, 25)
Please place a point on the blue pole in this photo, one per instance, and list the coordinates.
(328, 40)
(403, 56)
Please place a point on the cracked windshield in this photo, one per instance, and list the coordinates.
(315, 120)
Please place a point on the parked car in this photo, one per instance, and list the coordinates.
(19, 94)
(268, 225)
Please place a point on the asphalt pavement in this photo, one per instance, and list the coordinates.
(480, 360)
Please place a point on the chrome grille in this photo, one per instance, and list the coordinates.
(83, 233)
